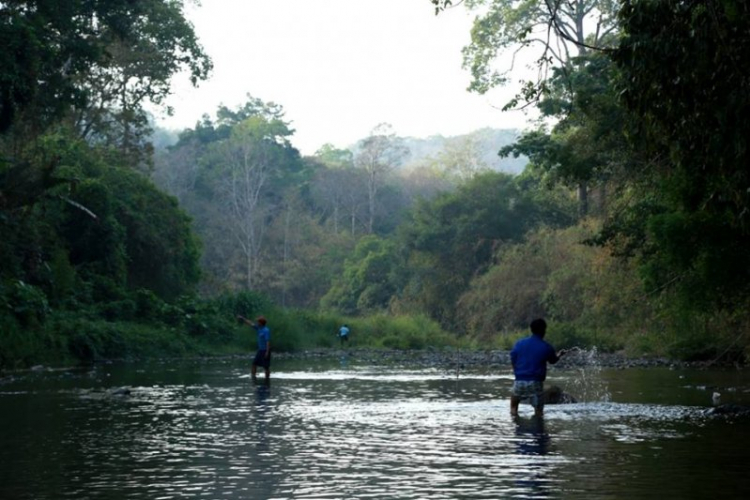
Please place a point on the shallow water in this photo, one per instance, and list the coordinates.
(338, 429)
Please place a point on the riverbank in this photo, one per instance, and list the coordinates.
(441, 359)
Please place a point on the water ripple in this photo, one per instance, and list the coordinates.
(359, 433)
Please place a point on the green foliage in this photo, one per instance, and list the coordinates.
(28, 303)
(333, 157)
(23, 346)
(231, 175)
(71, 56)
(162, 251)
(692, 105)
(552, 32)
(399, 332)
(89, 341)
(113, 222)
(63, 277)
(304, 329)
(248, 304)
(99, 264)
(587, 146)
(453, 237)
(569, 335)
(368, 281)
(597, 299)
(81, 229)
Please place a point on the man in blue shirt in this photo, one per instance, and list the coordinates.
(344, 334)
(529, 358)
(263, 354)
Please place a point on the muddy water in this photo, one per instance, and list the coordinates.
(339, 429)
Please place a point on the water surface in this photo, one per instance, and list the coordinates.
(340, 429)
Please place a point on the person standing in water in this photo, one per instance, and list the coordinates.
(344, 335)
(529, 358)
(263, 354)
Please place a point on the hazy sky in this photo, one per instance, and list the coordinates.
(339, 68)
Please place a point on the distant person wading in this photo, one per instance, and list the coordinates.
(344, 334)
(263, 354)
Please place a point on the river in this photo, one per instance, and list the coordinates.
(340, 428)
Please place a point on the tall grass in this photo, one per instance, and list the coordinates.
(399, 332)
(204, 330)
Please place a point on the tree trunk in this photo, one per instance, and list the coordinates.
(583, 200)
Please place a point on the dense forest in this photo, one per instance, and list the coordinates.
(623, 216)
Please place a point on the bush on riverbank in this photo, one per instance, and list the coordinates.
(140, 326)
(399, 332)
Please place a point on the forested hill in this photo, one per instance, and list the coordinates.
(482, 145)
(486, 142)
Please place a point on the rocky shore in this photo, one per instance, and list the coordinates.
(444, 359)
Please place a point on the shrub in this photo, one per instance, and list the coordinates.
(569, 335)
(18, 346)
(246, 303)
(118, 310)
(400, 332)
(28, 303)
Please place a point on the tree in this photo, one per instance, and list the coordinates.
(94, 62)
(462, 156)
(559, 30)
(334, 157)
(112, 225)
(234, 173)
(302, 258)
(378, 155)
(587, 146)
(369, 278)
(339, 188)
(250, 160)
(341, 193)
(454, 237)
(683, 77)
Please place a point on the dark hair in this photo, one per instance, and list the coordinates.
(261, 321)
(538, 327)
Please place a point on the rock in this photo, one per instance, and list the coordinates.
(554, 395)
(716, 398)
(119, 391)
(730, 409)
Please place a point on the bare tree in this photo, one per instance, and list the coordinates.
(340, 193)
(249, 165)
(379, 154)
(177, 171)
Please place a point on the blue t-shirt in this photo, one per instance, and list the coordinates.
(343, 331)
(264, 336)
(530, 357)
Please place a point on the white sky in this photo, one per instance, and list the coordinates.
(339, 68)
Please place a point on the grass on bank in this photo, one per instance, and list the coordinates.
(143, 327)
(130, 332)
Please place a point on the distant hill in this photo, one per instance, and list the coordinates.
(487, 142)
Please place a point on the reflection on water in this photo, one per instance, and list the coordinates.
(533, 440)
(208, 430)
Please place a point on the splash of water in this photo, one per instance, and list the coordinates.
(587, 384)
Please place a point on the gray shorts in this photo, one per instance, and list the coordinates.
(529, 391)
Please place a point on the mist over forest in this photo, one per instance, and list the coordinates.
(621, 215)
